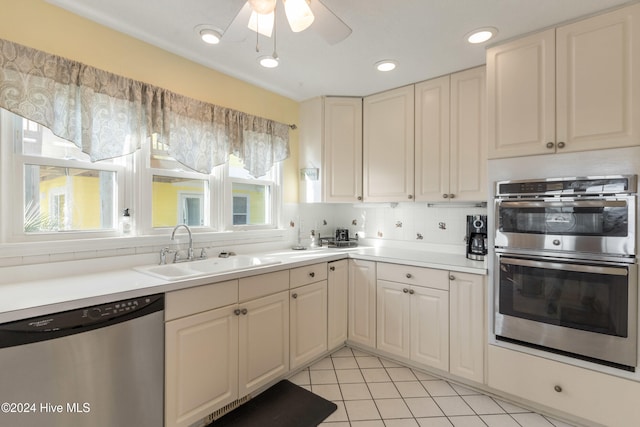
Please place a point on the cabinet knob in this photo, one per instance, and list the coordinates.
(411, 292)
(550, 145)
(409, 275)
(558, 388)
(236, 312)
(452, 277)
(332, 268)
(359, 197)
(244, 311)
(560, 144)
(294, 296)
(445, 196)
(410, 196)
(312, 274)
(405, 290)
(451, 196)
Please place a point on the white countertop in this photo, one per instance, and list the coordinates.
(22, 296)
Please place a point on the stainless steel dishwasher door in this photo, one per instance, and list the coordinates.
(107, 371)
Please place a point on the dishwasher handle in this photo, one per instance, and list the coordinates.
(72, 322)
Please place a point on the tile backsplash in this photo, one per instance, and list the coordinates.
(412, 225)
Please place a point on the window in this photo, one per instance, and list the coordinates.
(253, 201)
(59, 188)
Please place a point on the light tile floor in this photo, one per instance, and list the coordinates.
(374, 392)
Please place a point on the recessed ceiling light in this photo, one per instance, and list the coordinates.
(386, 65)
(208, 34)
(268, 61)
(481, 35)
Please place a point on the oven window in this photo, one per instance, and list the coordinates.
(589, 301)
(611, 221)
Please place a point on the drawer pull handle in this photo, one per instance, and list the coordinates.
(405, 290)
(409, 275)
(236, 312)
(244, 311)
(332, 268)
(558, 389)
(452, 277)
(312, 274)
(294, 296)
(411, 291)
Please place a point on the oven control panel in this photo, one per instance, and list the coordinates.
(623, 184)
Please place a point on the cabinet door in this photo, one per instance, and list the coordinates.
(467, 326)
(432, 139)
(393, 317)
(598, 77)
(521, 96)
(308, 320)
(201, 358)
(264, 341)
(430, 327)
(362, 302)
(388, 146)
(342, 177)
(337, 297)
(468, 143)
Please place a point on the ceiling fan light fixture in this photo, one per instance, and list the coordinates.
(269, 61)
(262, 24)
(386, 65)
(210, 36)
(299, 14)
(263, 7)
(481, 35)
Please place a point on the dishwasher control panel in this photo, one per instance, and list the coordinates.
(78, 320)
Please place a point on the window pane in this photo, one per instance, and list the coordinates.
(68, 199)
(40, 141)
(179, 201)
(251, 204)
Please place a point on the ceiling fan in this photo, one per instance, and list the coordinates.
(259, 15)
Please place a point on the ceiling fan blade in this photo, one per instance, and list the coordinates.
(327, 23)
(237, 30)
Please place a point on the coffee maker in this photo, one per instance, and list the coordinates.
(476, 237)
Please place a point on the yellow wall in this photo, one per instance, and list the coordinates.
(39, 25)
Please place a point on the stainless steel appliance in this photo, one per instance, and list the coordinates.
(98, 366)
(476, 237)
(566, 277)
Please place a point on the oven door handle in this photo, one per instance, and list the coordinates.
(596, 203)
(611, 271)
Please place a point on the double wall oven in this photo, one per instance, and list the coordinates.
(566, 276)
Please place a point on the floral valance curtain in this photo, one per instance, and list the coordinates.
(107, 115)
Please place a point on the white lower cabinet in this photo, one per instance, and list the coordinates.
(202, 365)
(218, 355)
(595, 396)
(337, 298)
(467, 325)
(413, 320)
(362, 302)
(308, 332)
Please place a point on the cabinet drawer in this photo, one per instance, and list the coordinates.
(263, 284)
(420, 276)
(201, 298)
(595, 396)
(308, 274)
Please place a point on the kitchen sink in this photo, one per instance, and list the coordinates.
(206, 267)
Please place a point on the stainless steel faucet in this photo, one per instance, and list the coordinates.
(173, 235)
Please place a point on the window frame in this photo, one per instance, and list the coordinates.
(12, 159)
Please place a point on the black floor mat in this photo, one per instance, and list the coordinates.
(283, 405)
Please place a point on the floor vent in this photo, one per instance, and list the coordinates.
(225, 409)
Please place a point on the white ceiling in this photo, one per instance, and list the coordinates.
(424, 36)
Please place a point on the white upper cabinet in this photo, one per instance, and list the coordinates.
(451, 137)
(568, 89)
(388, 119)
(331, 143)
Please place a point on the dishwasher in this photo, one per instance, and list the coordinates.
(98, 366)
